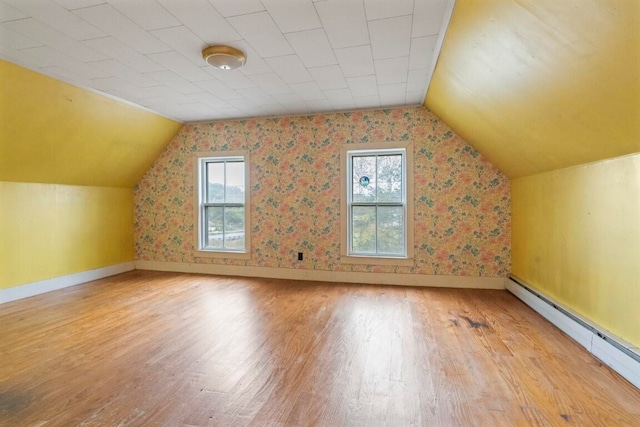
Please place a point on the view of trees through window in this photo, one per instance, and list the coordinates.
(377, 204)
(224, 205)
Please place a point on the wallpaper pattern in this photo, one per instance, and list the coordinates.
(462, 202)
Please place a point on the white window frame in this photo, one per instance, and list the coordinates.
(200, 188)
(347, 153)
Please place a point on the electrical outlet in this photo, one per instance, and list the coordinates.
(299, 256)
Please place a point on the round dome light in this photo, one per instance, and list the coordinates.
(224, 57)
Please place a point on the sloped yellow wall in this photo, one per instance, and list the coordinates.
(50, 230)
(576, 237)
(69, 159)
(539, 85)
(53, 132)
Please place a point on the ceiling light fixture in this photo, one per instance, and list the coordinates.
(224, 57)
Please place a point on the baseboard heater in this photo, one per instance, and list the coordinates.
(610, 349)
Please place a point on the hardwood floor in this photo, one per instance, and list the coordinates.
(148, 348)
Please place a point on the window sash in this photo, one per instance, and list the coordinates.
(203, 172)
(351, 203)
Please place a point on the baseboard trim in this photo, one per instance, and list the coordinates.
(55, 283)
(435, 281)
(613, 351)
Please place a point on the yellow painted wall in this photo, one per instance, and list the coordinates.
(576, 237)
(69, 159)
(49, 230)
(539, 85)
(53, 132)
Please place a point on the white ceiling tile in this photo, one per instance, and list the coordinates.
(344, 22)
(303, 56)
(312, 47)
(415, 98)
(184, 42)
(309, 91)
(390, 37)
(367, 101)
(328, 77)
(116, 49)
(338, 95)
(243, 104)
(428, 16)
(16, 40)
(46, 35)
(421, 53)
(57, 17)
(19, 57)
(393, 70)
(67, 75)
(392, 95)
(108, 83)
(219, 89)
(293, 15)
(180, 65)
(167, 93)
(203, 19)
(271, 83)
(257, 95)
(231, 78)
(230, 113)
(122, 28)
(77, 4)
(378, 9)
(237, 7)
(173, 80)
(127, 74)
(262, 33)
(255, 63)
(199, 116)
(355, 61)
(292, 100)
(210, 100)
(363, 86)
(157, 102)
(50, 57)
(289, 68)
(319, 105)
(417, 80)
(8, 13)
(147, 13)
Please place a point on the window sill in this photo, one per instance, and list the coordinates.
(221, 254)
(349, 259)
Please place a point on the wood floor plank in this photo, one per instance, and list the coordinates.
(163, 349)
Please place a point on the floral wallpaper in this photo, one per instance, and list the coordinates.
(462, 202)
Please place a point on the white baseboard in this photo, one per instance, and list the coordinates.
(329, 276)
(613, 351)
(48, 285)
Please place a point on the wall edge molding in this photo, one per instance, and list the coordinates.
(614, 352)
(47, 285)
(435, 281)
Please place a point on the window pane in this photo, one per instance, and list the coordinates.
(213, 227)
(215, 182)
(363, 172)
(390, 178)
(234, 228)
(235, 182)
(363, 229)
(391, 230)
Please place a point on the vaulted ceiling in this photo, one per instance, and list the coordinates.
(534, 85)
(303, 56)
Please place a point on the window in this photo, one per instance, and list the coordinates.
(378, 217)
(223, 198)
